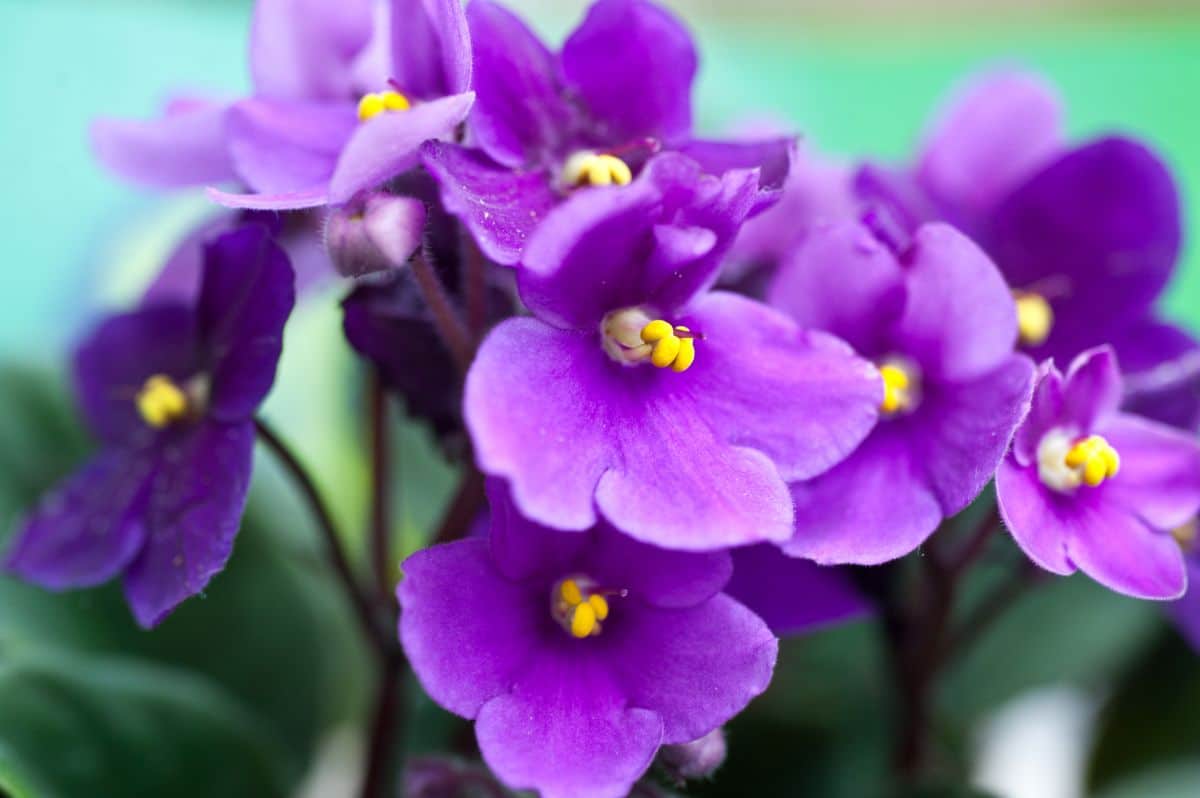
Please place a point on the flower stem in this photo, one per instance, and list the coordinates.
(475, 279)
(446, 320)
(468, 500)
(385, 732)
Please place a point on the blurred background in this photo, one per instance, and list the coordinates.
(1078, 693)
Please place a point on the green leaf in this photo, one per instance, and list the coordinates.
(75, 727)
(1178, 780)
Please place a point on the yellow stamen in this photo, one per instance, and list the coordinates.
(599, 606)
(673, 346)
(596, 169)
(1035, 318)
(375, 103)
(1094, 459)
(571, 593)
(896, 384)
(161, 402)
(583, 621)
(686, 356)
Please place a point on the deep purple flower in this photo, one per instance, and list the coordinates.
(1087, 487)
(170, 390)
(1186, 611)
(546, 124)
(938, 321)
(694, 453)
(343, 98)
(578, 654)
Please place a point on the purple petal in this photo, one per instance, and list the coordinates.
(1097, 233)
(1045, 412)
(89, 527)
(844, 281)
(500, 206)
(522, 548)
(1031, 513)
(180, 149)
(968, 336)
(441, 621)
(195, 507)
(1002, 128)
(306, 49)
(695, 667)
(311, 197)
(792, 596)
(431, 47)
(117, 358)
(390, 143)
(520, 116)
(1161, 369)
(1186, 611)
(1092, 389)
(246, 295)
(772, 158)
(632, 63)
(283, 147)
(566, 729)
(1159, 480)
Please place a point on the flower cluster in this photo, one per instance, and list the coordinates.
(693, 373)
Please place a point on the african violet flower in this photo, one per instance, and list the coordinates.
(343, 99)
(170, 390)
(545, 124)
(1088, 487)
(938, 321)
(578, 654)
(676, 414)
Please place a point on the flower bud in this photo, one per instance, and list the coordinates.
(695, 760)
(379, 233)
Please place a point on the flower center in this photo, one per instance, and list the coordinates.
(631, 337)
(901, 386)
(586, 168)
(579, 606)
(1035, 318)
(161, 402)
(1065, 462)
(375, 103)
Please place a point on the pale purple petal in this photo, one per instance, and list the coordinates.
(306, 49)
(1045, 412)
(791, 595)
(390, 143)
(1032, 513)
(772, 158)
(195, 508)
(1092, 389)
(281, 147)
(1120, 552)
(632, 63)
(187, 148)
(431, 47)
(311, 197)
(1159, 480)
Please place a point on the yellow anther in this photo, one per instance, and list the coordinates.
(1035, 318)
(596, 169)
(1094, 459)
(896, 384)
(375, 103)
(656, 331)
(161, 402)
(673, 346)
(665, 352)
(599, 606)
(686, 356)
(583, 620)
(571, 593)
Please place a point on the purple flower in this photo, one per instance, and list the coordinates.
(170, 390)
(677, 415)
(1087, 487)
(546, 124)
(578, 654)
(938, 321)
(343, 99)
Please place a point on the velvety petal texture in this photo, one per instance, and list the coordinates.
(281, 146)
(184, 148)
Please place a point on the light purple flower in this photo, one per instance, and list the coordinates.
(545, 124)
(170, 390)
(692, 454)
(343, 98)
(1088, 487)
(938, 321)
(578, 654)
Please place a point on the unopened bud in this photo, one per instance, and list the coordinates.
(695, 760)
(379, 233)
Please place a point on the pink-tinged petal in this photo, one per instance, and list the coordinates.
(791, 595)
(186, 148)
(1032, 514)
(996, 133)
(844, 281)
(500, 206)
(1092, 389)
(609, 61)
(803, 398)
(431, 47)
(467, 630)
(1045, 412)
(89, 527)
(521, 116)
(966, 337)
(695, 667)
(390, 143)
(282, 147)
(195, 508)
(566, 730)
(1159, 479)
(873, 507)
(1120, 552)
(306, 49)
(311, 197)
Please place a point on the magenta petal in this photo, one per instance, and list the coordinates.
(1092, 388)
(195, 508)
(281, 147)
(180, 149)
(87, 528)
(694, 667)
(311, 197)
(389, 144)
(632, 63)
(791, 595)
(431, 47)
(999, 131)
(1045, 412)
(440, 620)
(1159, 480)
(1123, 554)
(566, 729)
(1031, 513)
(500, 206)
